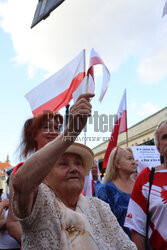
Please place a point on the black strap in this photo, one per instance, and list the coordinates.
(148, 216)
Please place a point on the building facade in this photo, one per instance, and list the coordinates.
(141, 133)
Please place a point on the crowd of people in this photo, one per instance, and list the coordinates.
(46, 208)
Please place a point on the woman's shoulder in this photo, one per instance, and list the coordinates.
(45, 191)
(100, 209)
(98, 204)
(108, 185)
(111, 187)
(105, 226)
(107, 190)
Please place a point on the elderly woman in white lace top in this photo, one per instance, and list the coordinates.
(47, 196)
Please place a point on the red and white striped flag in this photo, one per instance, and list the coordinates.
(94, 60)
(56, 92)
(164, 10)
(87, 86)
(120, 126)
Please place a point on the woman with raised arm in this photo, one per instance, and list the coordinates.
(47, 196)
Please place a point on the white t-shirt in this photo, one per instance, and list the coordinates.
(136, 213)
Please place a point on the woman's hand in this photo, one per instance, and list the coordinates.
(79, 114)
(4, 203)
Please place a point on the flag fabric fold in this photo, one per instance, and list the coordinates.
(120, 126)
(164, 9)
(94, 60)
(56, 92)
(86, 86)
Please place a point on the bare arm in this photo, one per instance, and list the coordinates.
(37, 167)
(4, 204)
(2, 220)
(2, 224)
(138, 239)
(1, 210)
(12, 224)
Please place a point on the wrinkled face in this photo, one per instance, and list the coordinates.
(162, 136)
(68, 174)
(47, 133)
(127, 162)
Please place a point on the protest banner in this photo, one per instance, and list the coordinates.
(147, 156)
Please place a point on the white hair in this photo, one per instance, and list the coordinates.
(156, 139)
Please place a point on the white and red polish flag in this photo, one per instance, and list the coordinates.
(94, 60)
(87, 86)
(56, 92)
(164, 9)
(120, 126)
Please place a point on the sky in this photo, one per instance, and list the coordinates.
(129, 35)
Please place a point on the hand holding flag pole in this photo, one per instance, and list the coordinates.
(79, 113)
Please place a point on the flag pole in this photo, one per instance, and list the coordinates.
(127, 138)
(68, 106)
(120, 126)
(86, 91)
(67, 114)
(126, 121)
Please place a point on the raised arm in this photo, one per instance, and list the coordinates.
(37, 167)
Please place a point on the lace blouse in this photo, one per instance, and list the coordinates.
(43, 228)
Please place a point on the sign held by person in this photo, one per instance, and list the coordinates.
(146, 155)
